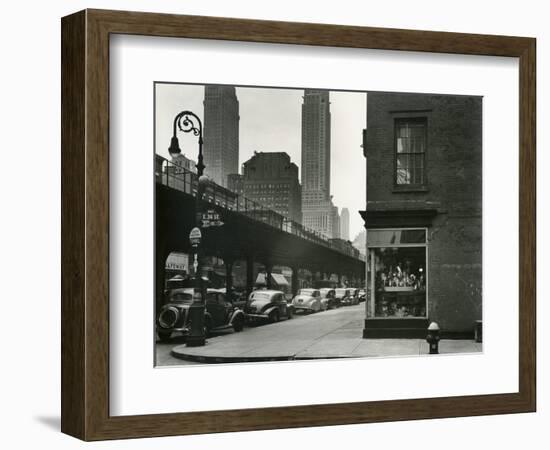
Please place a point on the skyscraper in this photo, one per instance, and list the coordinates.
(221, 132)
(344, 224)
(318, 211)
(315, 145)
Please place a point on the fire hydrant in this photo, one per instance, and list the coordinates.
(433, 338)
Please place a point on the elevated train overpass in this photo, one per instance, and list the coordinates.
(251, 232)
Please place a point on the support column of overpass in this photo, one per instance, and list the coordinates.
(161, 254)
(294, 282)
(268, 270)
(249, 274)
(228, 263)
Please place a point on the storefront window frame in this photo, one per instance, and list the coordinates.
(370, 273)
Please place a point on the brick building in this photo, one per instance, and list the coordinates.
(270, 178)
(423, 215)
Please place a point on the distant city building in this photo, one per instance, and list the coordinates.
(336, 231)
(182, 161)
(235, 183)
(322, 216)
(178, 174)
(344, 224)
(318, 211)
(360, 242)
(272, 180)
(315, 146)
(221, 132)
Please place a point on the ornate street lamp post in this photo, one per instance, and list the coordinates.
(189, 122)
(185, 121)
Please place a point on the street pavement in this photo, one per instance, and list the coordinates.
(330, 334)
(163, 355)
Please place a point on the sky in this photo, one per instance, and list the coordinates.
(271, 121)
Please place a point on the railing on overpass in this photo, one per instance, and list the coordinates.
(182, 179)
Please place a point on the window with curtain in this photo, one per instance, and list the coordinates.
(410, 148)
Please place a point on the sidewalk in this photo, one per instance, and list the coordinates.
(330, 334)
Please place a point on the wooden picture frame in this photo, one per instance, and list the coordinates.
(85, 224)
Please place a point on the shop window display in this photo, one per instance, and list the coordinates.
(398, 273)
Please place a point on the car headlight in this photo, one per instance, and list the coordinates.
(168, 317)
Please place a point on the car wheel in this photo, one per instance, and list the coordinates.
(238, 323)
(165, 335)
(274, 317)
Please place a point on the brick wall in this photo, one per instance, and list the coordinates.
(454, 188)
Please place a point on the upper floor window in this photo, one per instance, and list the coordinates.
(410, 151)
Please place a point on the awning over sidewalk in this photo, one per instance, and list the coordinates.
(279, 279)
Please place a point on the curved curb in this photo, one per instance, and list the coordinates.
(217, 359)
(228, 359)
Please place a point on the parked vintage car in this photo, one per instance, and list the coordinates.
(354, 296)
(237, 297)
(328, 299)
(220, 314)
(343, 296)
(267, 304)
(307, 300)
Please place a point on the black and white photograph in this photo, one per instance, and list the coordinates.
(304, 223)
(270, 225)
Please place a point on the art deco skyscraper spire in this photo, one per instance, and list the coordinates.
(221, 132)
(318, 212)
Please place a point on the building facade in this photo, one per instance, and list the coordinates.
(177, 173)
(271, 179)
(360, 242)
(344, 224)
(424, 213)
(321, 216)
(235, 183)
(315, 145)
(318, 211)
(221, 132)
(182, 161)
